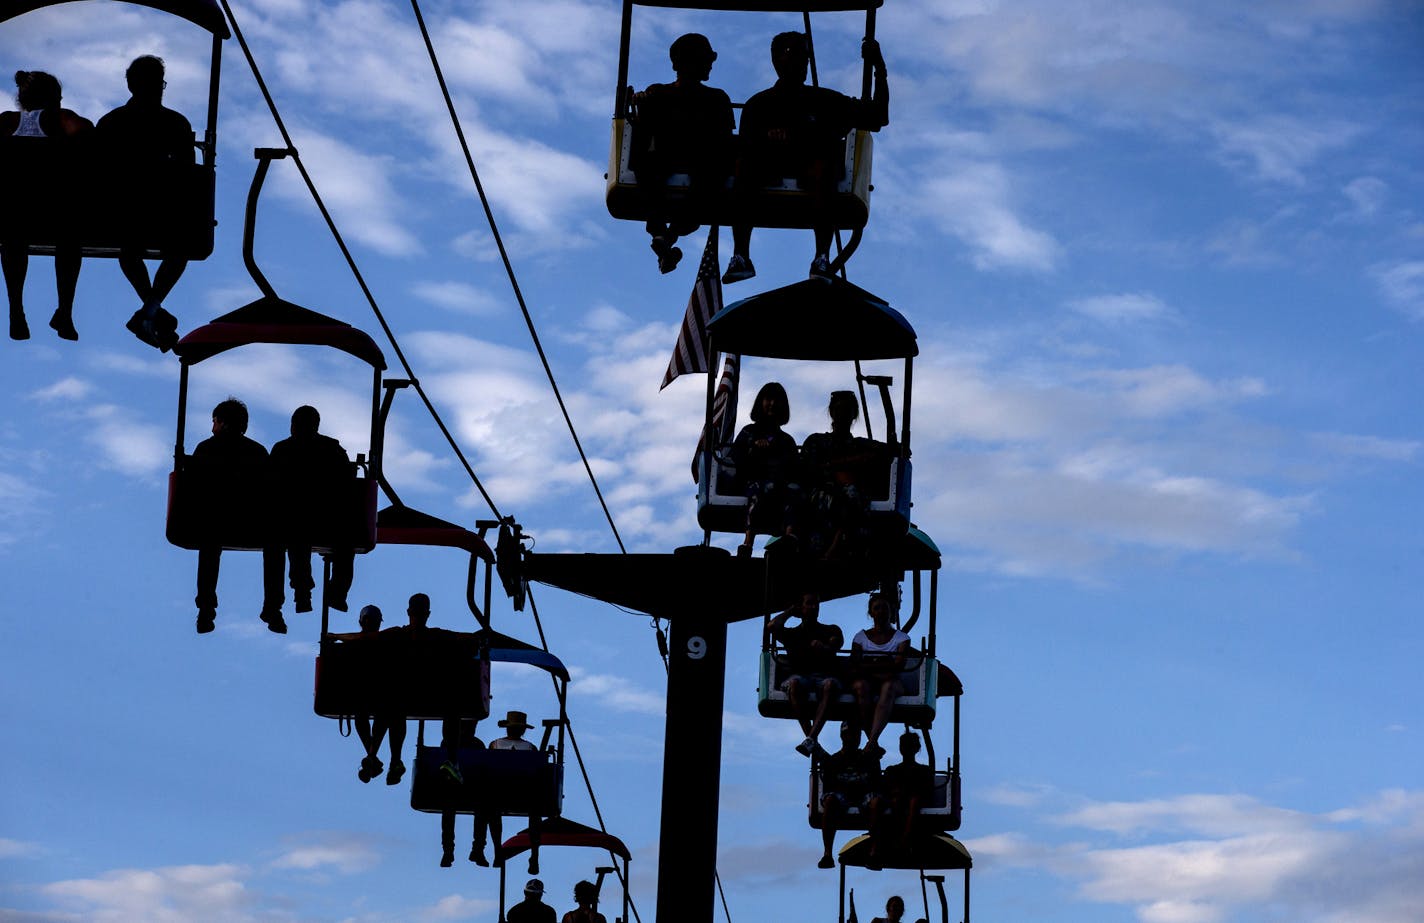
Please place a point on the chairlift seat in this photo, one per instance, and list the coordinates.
(433, 677)
(508, 782)
(915, 706)
(783, 204)
(722, 499)
(938, 813)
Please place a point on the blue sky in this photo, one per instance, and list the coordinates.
(1166, 262)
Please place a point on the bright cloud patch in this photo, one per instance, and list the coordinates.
(1214, 858)
(1402, 285)
(175, 894)
(1124, 308)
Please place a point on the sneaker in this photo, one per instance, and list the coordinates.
(397, 771)
(826, 863)
(874, 751)
(370, 768)
(142, 327)
(206, 619)
(806, 747)
(821, 268)
(447, 858)
(338, 603)
(451, 770)
(819, 750)
(738, 268)
(63, 324)
(275, 623)
(19, 328)
(668, 255)
(304, 601)
(477, 855)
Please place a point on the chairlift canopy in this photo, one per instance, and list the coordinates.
(560, 831)
(504, 649)
(401, 525)
(814, 320)
(927, 851)
(206, 14)
(272, 320)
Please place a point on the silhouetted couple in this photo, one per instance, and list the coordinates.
(141, 143)
(295, 494)
(788, 130)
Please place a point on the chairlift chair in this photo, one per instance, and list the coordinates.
(813, 320)
(561, 831)
(780, 205)
(245, 517)
(435, 676)
(185, 197)
(508, 782)
(929, 852)
(925, 679)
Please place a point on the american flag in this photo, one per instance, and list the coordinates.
(690, 353)
(724, 411)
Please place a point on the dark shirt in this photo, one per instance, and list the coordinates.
(139, 136)
(841, 458)
(684, 128)
(904, 781)
(851, 774)
(775, 461)
(530, 911)
(816, 121)
(801, 656)
(309, 472)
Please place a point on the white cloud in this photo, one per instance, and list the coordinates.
(127, 444)
(1123, 308)
(68, 388)
(1370, 447)
(1280, 148)
(1241, 859)
(344, 854)
(1402, 285)
(459, 297)
(616, 692)
(18, 849)
(1366, 195)
(974, 202)
(458, 907)
(175, 894)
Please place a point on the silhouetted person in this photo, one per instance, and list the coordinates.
(515, 723)
(586, 896)
(457, 735)
(370, 737)
(894, 910)
(811, 647)
(147, 146)
(41, 145)
(311, 473)
(766, 461)
(682, 127)
(907, 788)
(418, 628)
(877, 658)
(850, 777)
(232, 472)
(791, 129)
(838, 466)
(532, 909)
